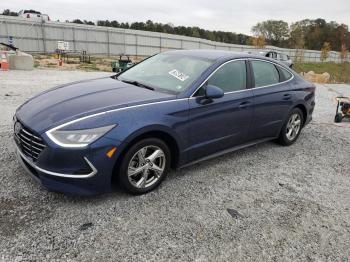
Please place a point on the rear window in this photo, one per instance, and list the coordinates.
(31, 12)
(265, 73)
(283, 57)
(286, 75)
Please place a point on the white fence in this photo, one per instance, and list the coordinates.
(38, 37)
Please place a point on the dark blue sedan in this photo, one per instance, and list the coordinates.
(169, 111)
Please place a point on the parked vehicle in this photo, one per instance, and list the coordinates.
(33, 15)
(283, 58)
(169, 111)
(343, 109)
(121, 64)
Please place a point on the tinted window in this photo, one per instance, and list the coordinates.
(272, 55)
(285, 74)
(230, 77)
(31, 12)
(282, 57)
(264, 73)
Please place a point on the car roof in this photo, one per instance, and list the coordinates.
(215, 54)
(265, 51)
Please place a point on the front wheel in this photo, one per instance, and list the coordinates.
(291, 128)
(144, 166)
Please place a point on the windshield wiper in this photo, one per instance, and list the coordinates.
(135, 83)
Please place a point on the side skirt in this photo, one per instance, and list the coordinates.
(226, 151)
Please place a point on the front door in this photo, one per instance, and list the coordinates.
(219, 124)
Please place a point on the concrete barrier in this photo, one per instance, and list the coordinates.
(20, 61)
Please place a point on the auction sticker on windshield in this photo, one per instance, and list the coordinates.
(181, 76)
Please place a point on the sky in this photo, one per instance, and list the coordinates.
(228, 15)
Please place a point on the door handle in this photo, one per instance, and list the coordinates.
(244, 105)
(287, 96)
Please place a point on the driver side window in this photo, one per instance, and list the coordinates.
(230, 77)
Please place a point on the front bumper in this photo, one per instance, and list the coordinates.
(35, 169)
(74, 172)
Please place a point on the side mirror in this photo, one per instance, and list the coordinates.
(213, 92)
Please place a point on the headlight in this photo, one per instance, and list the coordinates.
(77, 138)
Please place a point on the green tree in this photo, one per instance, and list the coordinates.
(304, 34)
(9, 13)
(150, 25)
(274, 31)
(195, 32)
(114, 23)
(88, 22)
(77, 21)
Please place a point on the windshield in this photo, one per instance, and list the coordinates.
(168, 72)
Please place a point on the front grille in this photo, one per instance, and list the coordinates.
(31, 145)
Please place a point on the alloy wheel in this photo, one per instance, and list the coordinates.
(293, 126)
(146, 166)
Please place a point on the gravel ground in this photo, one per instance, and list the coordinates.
(263, 203)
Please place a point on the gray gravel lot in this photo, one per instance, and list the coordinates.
(285, 204)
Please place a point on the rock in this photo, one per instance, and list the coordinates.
(234, 213)
(326, 76)
(316, 78)
(85, 226)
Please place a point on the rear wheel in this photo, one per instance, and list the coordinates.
(338, 118)
(144, 166)
(291, 128)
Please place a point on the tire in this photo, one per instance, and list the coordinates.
(140, 170)
(286, 137)
(338, 118)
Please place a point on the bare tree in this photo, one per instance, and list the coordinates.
(325, 51)
(258, 42)
(344, 53)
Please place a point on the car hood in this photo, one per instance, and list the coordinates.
(78, 99)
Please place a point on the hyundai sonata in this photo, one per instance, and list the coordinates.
(169, 111)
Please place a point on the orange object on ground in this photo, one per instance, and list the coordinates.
(4, 65)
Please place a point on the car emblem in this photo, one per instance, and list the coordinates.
(18, 128)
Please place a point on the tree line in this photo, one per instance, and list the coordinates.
(305, 34)
(311, 34)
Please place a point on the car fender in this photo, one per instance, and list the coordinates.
(134, 136)
(154, 128)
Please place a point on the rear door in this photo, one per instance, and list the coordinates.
(273, 98)
(218, 124)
